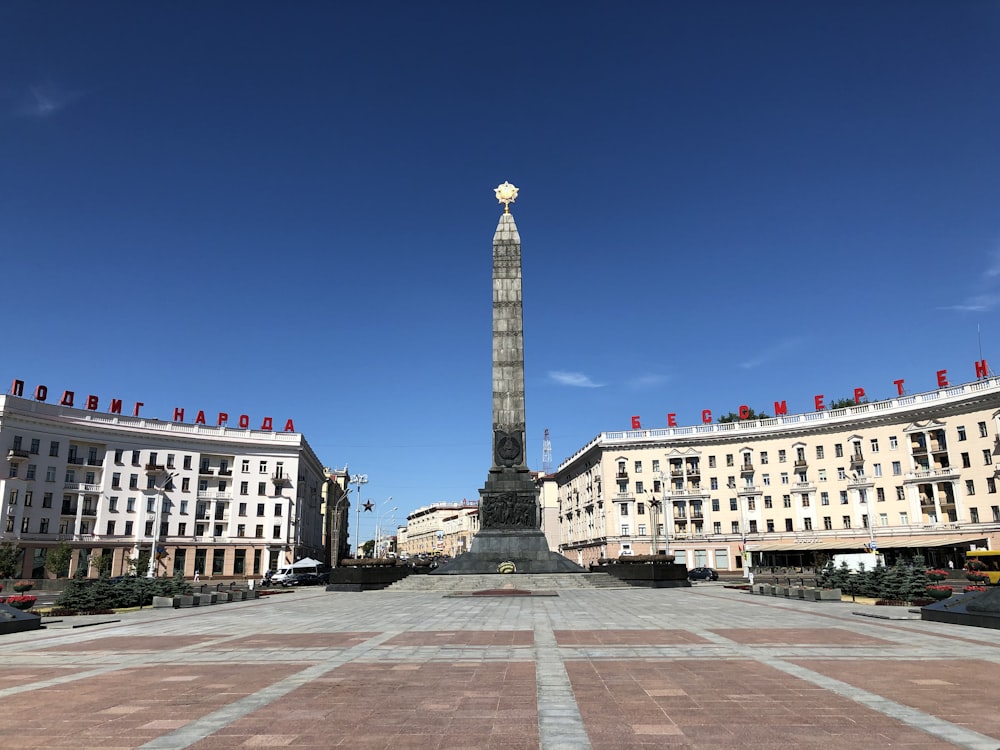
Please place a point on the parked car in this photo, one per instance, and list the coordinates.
(301, 579)
(702, 574)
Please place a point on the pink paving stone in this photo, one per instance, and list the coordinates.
(638, 704)
(131, 643)
(295, 640)
(482, 705)
(800, 636)
(463, 638)
(16, 676)
(627, 637)
(131, 706)
(961, 691)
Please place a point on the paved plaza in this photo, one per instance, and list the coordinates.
(705, 667)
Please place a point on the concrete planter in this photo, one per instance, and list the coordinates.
(779, 591)
(186, 601)
(166, 602)
(796, 592)
(354, 578)
(650, 575)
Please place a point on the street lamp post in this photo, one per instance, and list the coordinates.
(155, 471)
(358, 480)
(661, 509)
(378, 527)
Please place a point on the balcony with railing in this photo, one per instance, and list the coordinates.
(16, 455)
(857, 458)
(155, 468)
(81, 487)
(747, 468)
(215, 495)
(206, 471)
(280, 480)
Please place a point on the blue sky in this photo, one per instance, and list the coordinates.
(286, 210)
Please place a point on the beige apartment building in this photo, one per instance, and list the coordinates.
(441, 528)
(913, 474)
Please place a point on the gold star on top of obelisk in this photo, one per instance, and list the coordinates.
(506, 194)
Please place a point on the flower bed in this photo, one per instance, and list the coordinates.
(939, 592)
(22, 586)
(20, 602)
(936, 574)
(977, 578)
(967, 589)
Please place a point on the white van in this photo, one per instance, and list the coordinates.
(281, 574)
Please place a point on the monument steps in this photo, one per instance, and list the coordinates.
(524, 582)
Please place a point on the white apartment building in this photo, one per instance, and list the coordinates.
(913, 474)
(218, 500)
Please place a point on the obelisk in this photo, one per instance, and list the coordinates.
(509, 536)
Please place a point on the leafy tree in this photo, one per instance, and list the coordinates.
(734, 417)
(843, 403)
(368, 548)
(10, 560)
(58, 558)
(102, 564)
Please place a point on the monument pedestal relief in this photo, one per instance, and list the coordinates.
(509, 520)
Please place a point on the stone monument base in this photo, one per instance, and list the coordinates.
(528, 549)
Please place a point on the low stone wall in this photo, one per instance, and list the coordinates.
(806, 593)
(204, 598)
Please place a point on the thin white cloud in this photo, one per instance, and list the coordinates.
(45, 100)
(987, 299)
(772, 352)
(976, 303)
(648, 381)
(575, 379)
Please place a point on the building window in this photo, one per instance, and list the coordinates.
(822, 475)
(241, 529)
(805, 500)
(130, 505)
(878, 469)
(961, 433)
(753, 526)
(781, 456)
(824, 498)
(732, 504)
(624, 509)
(638, 467)
(879, 495)
(987, 456)
(847, 522)
(765, 479)
(904, 518)
(974, 515)
(35, 444)
(970, 487)
(642, 529)
(982, 430)
(187, 463)
(843, 497)
(827, 523)
(713, 483)
(50, 474)
(729, 459)
(735, 527)
(897, 468)
(245, 466)
(181, 529)
(244, 488)
(277, 510)
(260, 509)
(763, 457)
(883, 519)
(819, 451)
(991, 485)
(786, 501)
(263, 467)
(135, 458)
(639, 488)
(711, 462)
(751, 504)
(767, 501)
(966, 463)
(808, 524)
(874, 445)
(784, 477)
(133, 481)
(893, 443)
(261, 488)
(900, 493)
(186, 484)
(640, 509)
(788, 524)
(129, 526)
(838, 450)
(259, 531)
(770, 526)
(54, 448)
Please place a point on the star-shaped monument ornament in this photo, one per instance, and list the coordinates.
(506, 194)
(368, 506)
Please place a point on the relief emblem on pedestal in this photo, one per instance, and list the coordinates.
(507, 448)
(508, 510)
